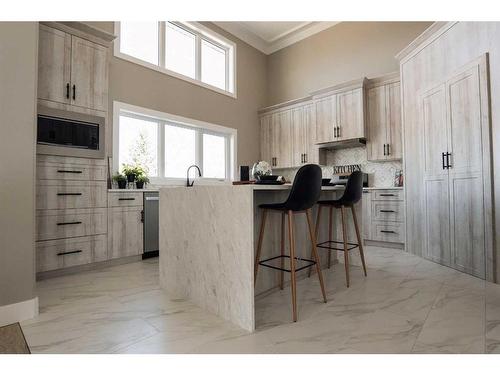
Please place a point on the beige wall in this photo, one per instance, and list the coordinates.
(347, 51)
(18, 73)
(133, 84)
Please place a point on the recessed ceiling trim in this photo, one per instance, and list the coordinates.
(285, 39)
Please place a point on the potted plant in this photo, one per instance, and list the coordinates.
(130, 172)
(121, 180)
(141, 180)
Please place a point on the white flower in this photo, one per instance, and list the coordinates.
(262, 168)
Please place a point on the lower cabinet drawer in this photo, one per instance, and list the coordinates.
(56, 224)
(53, 194)
(125, 199)
(388, 232)
(388, 211)
(52, 255)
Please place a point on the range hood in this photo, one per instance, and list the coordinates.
(347, 143)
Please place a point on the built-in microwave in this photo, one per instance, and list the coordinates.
(67, 133)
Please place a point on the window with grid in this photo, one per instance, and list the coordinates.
(165, 149)
(186, 50)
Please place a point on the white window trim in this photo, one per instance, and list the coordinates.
(231, 143)
(211, 35)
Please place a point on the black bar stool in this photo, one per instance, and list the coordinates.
(304, 194)
(351, 196)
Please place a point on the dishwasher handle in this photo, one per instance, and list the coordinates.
(152, 198)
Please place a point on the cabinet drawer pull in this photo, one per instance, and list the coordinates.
(69, 252)
(305, 158)
(384, 149)
(126, 199)
(387, 195)
(64, 171)
(70, 223)
(387, 211)
(63, 194)
(67, 90)
(74, 92)
(388, 150)
(388, 231)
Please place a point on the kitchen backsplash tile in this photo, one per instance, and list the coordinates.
(380, 174)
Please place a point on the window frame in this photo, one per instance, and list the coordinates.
(201, 128)
(200, 32)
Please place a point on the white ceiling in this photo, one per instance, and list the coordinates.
(270, 37)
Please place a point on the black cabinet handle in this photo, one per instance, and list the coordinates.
(70, 223)
(64, 194)
(301, 158)
(448, 165)
(388, 231)
(126, 199)
(142, 216)
(305, 158)
(388, 149)
(338, 131)
(74, 92)
(67, 90)
(442, 160)
(69, 252)
(387, 211)
(384, 149)
(387, 195)
(63, 171)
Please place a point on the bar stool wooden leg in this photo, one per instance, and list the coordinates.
(330, 235)
(259, 245)
(316, 233)
(360, 241)
(282, 273)
(292, 265)
(346, 252)
(315, 253)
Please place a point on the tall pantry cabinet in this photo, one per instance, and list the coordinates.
(447, 143)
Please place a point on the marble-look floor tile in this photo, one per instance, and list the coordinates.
(406, 304)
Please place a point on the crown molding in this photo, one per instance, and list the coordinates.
(302, 31)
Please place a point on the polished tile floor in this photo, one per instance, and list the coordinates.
(405, 305)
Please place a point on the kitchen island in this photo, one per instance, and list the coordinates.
(208, 236)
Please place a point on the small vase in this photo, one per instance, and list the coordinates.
(122, 184)
(139, 184)
(130, 178)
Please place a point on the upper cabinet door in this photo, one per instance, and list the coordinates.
(312, 151)
(282, 141)
(89, 74)
(377, 118)
(299, 136)
(394, 136)
(266, 139)
(326, 118)
(350, 114)
(54, 59)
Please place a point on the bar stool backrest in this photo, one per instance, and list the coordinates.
(306, 188)
(353, 190)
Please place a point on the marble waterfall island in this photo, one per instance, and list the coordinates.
(208, 236)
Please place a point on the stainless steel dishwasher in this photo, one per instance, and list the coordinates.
(151, 225)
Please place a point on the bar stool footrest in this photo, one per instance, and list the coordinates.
(327, 245)
(309, 261)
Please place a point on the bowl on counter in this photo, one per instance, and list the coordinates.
(268, 177)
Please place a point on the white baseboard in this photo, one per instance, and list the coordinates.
(17, 312)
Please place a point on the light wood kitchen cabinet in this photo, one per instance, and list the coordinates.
(287, 135)
(326, 117)
(266, 139)
(89, 74)
(125, 229)
(384, 118)
(383, 215)
(340, 112)
(454, 113)
(350, 115)
(72, 70)
(54, 65)
(304, 150)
